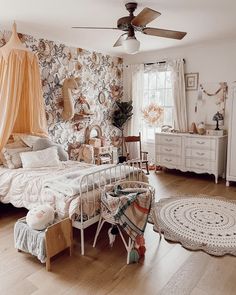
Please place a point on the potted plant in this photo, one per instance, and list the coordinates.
(121, 115)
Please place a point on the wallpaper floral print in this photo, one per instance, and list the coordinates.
(98, 74)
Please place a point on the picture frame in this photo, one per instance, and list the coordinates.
(191, 81)
(101, 97)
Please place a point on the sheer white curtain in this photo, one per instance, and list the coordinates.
(134, 79)
(179, 94)
(135, 91)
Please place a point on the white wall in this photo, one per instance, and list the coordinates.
(215, 62)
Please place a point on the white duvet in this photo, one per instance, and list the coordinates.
(57, 186)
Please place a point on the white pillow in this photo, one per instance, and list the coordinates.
(45, 158)
(40, 217)
(11, 156)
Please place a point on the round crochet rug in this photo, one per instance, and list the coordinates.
(199, 223)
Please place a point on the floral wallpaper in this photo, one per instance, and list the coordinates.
(99, 76)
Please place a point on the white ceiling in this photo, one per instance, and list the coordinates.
(203, 20)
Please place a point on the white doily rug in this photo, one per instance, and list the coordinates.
(204, 222)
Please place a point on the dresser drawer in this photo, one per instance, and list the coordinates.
(168, 150)
(168, 140)
(201, 143)
(167, 160)
(201, 154)
(200, 164)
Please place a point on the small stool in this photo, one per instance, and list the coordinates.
(43, 244)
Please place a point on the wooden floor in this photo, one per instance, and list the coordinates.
(168, 268)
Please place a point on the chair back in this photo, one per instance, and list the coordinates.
(110, 204)
(131, 140)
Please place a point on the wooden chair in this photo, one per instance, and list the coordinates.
(142, 160)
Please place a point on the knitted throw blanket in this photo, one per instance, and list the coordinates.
(129, 208)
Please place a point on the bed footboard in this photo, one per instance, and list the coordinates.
(91, 185)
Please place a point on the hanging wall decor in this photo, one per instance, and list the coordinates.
(220, 95)
(96, 71)
(101, 97)
(191, 81)
(153, 114)
(69, 85)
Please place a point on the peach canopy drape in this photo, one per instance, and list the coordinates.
(21, 101)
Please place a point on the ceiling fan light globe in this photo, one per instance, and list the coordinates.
(131, 45)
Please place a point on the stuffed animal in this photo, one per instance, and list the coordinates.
(40, 217)
(86, 154)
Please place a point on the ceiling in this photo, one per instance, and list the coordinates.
(203, 20)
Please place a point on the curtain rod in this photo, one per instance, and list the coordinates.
(158, 62)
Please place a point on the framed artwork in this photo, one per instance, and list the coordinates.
(191, 81)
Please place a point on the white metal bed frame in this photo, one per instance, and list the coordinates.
(112, 174)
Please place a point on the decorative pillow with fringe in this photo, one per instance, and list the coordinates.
(11, 156)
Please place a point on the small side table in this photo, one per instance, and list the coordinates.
(56, 238)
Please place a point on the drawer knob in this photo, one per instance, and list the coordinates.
(168, 160)
(200, 142)
(168, 150)
(169, 139)
(200, 165)
(200, 154)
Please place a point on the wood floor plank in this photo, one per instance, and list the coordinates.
(167, 269)
(219, 276)
(187, 277)
(197, 291)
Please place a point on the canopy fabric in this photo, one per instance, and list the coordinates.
(21, 100)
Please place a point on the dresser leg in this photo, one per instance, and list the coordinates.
(216, 179)
(227, 183)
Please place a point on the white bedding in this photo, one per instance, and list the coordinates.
(57, 186)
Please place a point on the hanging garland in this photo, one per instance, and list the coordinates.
(223, 86)
(220, 99)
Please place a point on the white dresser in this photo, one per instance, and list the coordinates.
(231, 158)
(190, 152)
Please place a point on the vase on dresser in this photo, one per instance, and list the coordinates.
(191, 152)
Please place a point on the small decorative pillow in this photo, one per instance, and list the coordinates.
(12, 145)
(11, 156)
(40, 217)
(38, 159)
(44, 143)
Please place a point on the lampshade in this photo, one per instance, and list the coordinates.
(131, 45)
(218, 117)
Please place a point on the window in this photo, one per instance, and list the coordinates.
(157, 90)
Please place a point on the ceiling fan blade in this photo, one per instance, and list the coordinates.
(164, 33)
(120, 40)
(95, 28)
(144, 17)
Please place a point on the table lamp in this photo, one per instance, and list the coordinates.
(218, 117)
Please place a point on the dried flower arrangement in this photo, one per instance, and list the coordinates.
(153, 114)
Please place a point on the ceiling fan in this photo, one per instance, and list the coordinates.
(131, 24)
